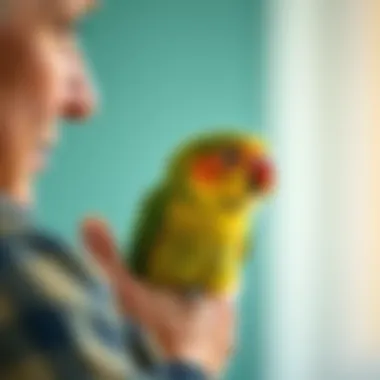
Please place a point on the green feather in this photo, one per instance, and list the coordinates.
(152, 213)
(147, 228)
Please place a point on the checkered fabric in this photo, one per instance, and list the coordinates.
(58, 319)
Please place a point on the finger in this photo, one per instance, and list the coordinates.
(225, 311)
(99, 241)
(135, 298)
(225, 328)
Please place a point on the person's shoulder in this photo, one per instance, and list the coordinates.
(51, 248)
(14, 218)
(46, 242)
(30, 251)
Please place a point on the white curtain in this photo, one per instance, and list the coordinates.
(322, 283)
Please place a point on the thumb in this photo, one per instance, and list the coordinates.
(99, 241)
(135, 298)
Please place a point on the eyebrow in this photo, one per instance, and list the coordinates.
(70, 8)
(46, 9)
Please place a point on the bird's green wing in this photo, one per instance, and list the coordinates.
(147, 229)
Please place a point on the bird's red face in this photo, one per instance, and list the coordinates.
(214, 167)
(234, 173)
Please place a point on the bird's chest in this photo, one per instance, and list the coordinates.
(196, 248)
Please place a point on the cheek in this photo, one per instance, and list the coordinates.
(207, 170)
(50, 74)
(29, 72)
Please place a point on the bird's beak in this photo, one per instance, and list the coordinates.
(261, 175)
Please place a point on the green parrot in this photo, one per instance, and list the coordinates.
(194, 227)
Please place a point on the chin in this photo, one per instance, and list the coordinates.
(39, 164)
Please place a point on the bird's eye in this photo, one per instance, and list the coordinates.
(231, 156)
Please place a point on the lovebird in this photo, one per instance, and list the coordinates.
(196, 227)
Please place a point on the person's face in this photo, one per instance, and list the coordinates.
(46, 77)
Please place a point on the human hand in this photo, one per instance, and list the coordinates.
(199, 332)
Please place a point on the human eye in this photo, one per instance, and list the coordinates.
(64, 28)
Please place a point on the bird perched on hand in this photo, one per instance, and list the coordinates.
(193, 231)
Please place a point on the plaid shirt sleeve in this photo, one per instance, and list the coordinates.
(57, 315)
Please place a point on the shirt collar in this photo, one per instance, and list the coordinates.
(13, 216)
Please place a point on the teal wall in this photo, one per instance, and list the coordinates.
(165, 69)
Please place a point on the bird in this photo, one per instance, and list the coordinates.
(197, 225)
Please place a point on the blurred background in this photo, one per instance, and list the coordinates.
(305, 73)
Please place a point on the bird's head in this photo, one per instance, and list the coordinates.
(227, 171)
